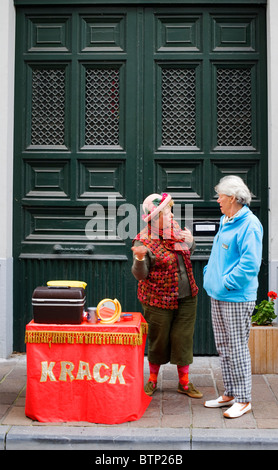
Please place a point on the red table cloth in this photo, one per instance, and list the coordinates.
(87, 372)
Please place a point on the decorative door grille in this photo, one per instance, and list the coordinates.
(102, 107)
(234, 107)
(178, 107)
(48, 107)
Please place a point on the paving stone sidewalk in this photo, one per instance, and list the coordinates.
(168, 409)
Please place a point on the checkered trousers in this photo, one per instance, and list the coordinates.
(231, 323)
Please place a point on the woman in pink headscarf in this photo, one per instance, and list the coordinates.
(167, 291)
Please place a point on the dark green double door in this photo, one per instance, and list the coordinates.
(112, 104)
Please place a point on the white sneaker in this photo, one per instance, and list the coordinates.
(237, 410)
(218, 403)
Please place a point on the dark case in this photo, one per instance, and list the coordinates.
(58, 305)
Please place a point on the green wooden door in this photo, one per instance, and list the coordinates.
(75, 152)
(205, 117)
(113, 103)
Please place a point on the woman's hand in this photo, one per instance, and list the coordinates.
(188, 237)
(139, 252)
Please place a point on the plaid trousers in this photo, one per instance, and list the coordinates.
(231, 323)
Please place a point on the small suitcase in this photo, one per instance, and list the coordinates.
(58, 305)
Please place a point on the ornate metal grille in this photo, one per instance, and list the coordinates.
(102, 107)
(48, 107)
(178, 107)
(234, 107)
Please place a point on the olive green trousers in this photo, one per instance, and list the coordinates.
(170, 332)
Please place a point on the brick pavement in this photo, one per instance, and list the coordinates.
(168, 409)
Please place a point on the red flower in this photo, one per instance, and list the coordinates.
(272, 295)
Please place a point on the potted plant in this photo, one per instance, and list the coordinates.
(263, 341)
(265, 313)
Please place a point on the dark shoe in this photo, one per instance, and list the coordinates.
(150, 388)
(191, 391)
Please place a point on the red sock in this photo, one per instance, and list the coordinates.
(154, 369)
(183, 372)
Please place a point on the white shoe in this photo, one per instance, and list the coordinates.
(218, 403)
(237, 410)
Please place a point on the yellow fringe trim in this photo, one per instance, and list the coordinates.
(86, 337)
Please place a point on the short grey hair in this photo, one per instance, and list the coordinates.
(232, 185)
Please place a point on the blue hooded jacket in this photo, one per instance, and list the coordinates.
(231, 274)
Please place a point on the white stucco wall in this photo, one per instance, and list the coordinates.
(272, 58)
(7, 41)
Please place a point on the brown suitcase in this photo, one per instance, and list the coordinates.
(60, 305)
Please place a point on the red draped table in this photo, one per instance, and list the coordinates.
(87, 372)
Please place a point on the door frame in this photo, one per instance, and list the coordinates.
(140, 124)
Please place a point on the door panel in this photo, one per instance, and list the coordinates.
(112, 104)
(76, 131)
(203, 91)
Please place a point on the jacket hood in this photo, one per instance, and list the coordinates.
(240, 215)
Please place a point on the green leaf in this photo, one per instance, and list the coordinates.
(265, 313)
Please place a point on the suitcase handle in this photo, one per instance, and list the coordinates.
(58, 287)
